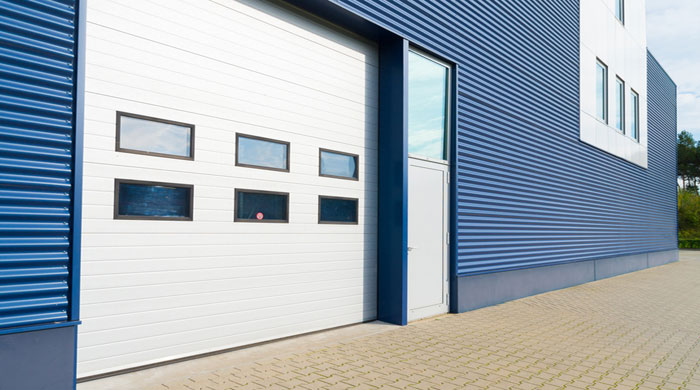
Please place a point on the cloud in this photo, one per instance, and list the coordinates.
(673, 36)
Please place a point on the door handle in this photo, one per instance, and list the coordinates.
(410, 248)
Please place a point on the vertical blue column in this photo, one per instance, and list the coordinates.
(392, 263)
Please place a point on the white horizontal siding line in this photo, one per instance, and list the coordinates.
(176, 304)
(252, 124)
(217, 304)
(204, 319)
(364, 268)
(231, 267)
(370, 312)
(367, 162)
(228, 63)
(97, 366)
(134, 232)
(312, 37)
(164, 293)
(137, 159)
(184, 102)
(146, 174)
(170, 258)
(177, 61)
(328, 265)
(109, 193)
(114, 323)
(103, 124)
(93, 243)
(370, 245)
(315, 106)
(238, 23)
(224, 43)
(250, 105)
(359, 77)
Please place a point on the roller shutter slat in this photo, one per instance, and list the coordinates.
(36, 126)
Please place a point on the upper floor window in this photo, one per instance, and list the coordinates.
(601, 91)
(634, 115)
(158, 137)
(620, 10)
(620, 104)
(265, 153)
(428, 81)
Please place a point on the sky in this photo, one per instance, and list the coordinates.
(673, 36)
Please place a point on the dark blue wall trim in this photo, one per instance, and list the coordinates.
(38, 360)
(78, 133)
(392, 264)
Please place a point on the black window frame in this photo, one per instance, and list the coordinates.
(637, 114)
(621, 17)
(255, 137)
(606, 92)
(254, 220)
(117, 182)
(357, 213)
(357, 164)
(621, 105)
(118, 147)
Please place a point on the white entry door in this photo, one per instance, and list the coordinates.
(428, 205)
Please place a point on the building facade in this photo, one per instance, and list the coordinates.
(200, 176)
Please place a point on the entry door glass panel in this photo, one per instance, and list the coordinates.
(427, 107)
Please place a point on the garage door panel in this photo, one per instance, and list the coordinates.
(159, 290)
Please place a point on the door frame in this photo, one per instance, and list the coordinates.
(444, 307)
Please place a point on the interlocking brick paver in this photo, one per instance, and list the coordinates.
(637, 331)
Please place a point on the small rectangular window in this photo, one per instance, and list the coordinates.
(602, 91)
(338, 164)
(620, 104)
(620, 10)
(337, 210)
(264, 153)
(151, 200)
(261, 206)
(157, 137)
(634, 117)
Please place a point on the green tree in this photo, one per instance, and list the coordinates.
(688, 156)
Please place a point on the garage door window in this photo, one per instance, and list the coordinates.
(428, 81)
(264, 153)
(151, 200)
(337, 210)
(338, 164)
(261, 206)
(153, 136)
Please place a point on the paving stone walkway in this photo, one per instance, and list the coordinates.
(636, 331)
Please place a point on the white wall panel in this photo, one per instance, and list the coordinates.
(622, 47)
(159, 290)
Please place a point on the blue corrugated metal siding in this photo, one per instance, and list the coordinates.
(662, 120)
(36, 151)
(530, 193)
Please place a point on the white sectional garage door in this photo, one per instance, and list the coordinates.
(159, 290)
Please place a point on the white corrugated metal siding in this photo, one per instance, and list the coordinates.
(158, 290)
